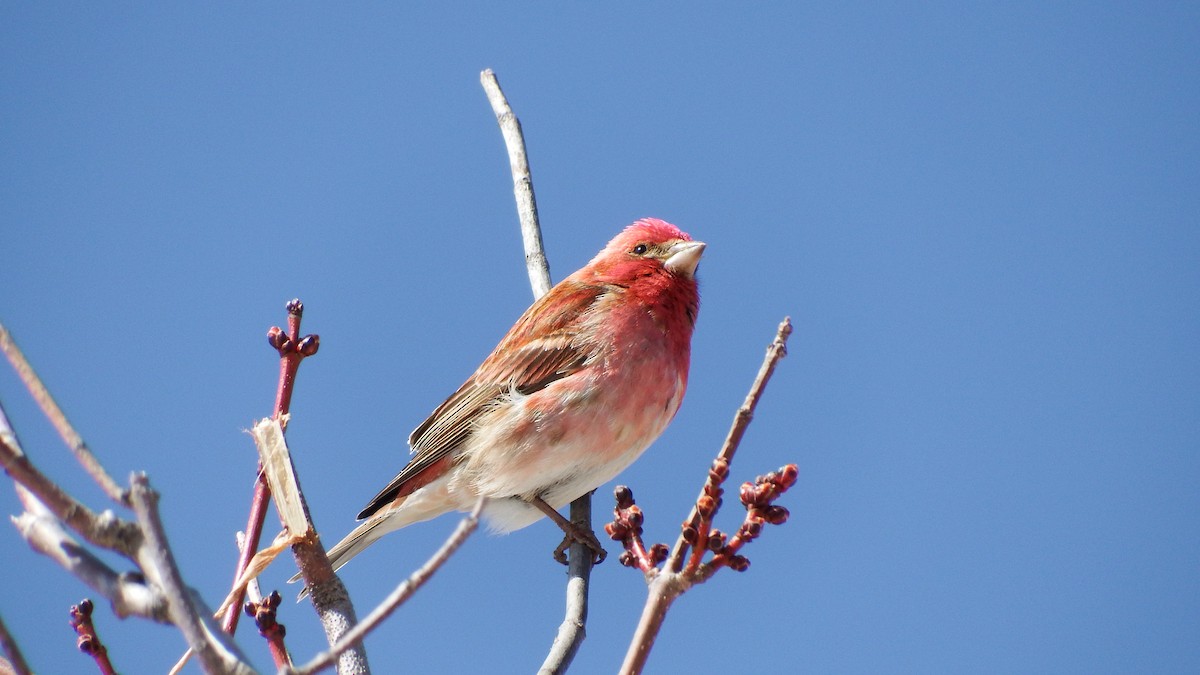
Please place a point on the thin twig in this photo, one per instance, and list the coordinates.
(292, 350)
(514, 140)
(572, 630)
(12, 651)
(397, 597)
(674, 579)
(776, 351)
(663, 590)
(105, 529)
(72, 438)
(215, 651)
(265, 613)
(128, 594)
(89, 640)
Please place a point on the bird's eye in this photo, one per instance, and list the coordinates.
(640, 249)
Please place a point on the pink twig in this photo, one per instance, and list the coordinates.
(89, 642)
(697, 533)
(264, 613)
(292, 350)
(627, 529)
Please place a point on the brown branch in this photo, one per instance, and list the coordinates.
(264, 611)
(776, 351)
(72, 438)
(397, 597)
(626, 528)
(697, 533)
(292, 350)
(13, 652)
(329, 597)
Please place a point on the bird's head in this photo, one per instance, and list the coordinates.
(645, 248)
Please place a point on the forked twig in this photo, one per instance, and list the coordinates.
(697, 533)
(215, 650)
(397, 597)
(292, 350)
(741, 420)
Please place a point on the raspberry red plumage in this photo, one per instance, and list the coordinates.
(582, 383)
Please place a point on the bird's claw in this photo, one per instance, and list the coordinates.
(582, 536)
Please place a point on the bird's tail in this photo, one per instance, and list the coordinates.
(371, 529)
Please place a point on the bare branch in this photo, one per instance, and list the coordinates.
(514, 140)
(217, 654)
(329, 596)
(73, 440)
(776, 351)
(571, 631)
(292, 350)
(13, 652)
(675, 578)
(397, 597)
(663, 590)
(105, 529)
(127, 593)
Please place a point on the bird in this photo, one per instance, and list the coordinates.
(584, 381)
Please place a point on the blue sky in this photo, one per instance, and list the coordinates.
(981, 217)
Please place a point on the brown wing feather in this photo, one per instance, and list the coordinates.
(518, 363)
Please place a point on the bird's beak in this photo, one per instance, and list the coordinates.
(684, 256)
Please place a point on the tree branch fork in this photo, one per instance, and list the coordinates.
(154, 588)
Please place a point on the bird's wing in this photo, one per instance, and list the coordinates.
(541, 348)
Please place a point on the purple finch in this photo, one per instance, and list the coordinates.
(582, 384)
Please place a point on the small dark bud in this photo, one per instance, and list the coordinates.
(689, 534)
(276, 337)
(716, 540)
(776, 515)
(616, 530)
(659, 553)
(309, 344)
(627, 559)
(635, 517)
(739, 563)
(752, 529)
(85, 607)
(250, 608)
(788, 475)
(295, 307)
(624, 496)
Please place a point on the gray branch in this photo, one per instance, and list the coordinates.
(572, 630)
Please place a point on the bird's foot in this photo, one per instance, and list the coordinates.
(573, 532)
(582, 536)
